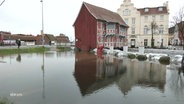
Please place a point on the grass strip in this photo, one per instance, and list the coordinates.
(23, 50)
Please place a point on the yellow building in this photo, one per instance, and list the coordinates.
(139, 22)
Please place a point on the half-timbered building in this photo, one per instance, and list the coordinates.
(96, 26)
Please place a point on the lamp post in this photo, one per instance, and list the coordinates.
(42, 31)
(43, 41)
(2, 2)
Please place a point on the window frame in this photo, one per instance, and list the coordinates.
(145, 29)
(133, 21)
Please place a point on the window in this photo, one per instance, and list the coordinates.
(161, 29)
(145, 29)
(133, 30)
(108, 39)
(126, 12)
(146, 10)
(122, 29)
(145, 42)
(110, 26)
(145, 18)
(126, 20)
(133, 20)
(161, 17)
(160, 9)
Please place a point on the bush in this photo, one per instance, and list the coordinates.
(141, 57)
(131, 56)
(164, 60)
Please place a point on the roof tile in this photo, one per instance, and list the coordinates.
(153, 10)
(104, 14)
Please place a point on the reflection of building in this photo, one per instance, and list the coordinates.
(109, 67)
(96, 26)
(93, 73)
(143, 74)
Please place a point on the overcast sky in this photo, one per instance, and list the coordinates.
(24, 16)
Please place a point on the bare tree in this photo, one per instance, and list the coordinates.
(154, 26)
(178, 22)
(2, 2)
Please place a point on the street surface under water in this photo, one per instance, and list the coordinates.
(83, 78)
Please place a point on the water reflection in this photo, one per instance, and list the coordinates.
(52, 77)
(181, 69)
(50, 54)
(93, 73)
(18, 58)
(142, 74)
(176, 81)
(43, 75)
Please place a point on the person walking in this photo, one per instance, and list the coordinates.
(182, 61)
(18, 43)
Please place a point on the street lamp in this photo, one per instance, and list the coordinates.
(42, 31)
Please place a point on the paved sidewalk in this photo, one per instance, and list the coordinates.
(163, 51)
(15, 47)
(23, 47)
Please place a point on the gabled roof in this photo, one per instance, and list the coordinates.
(50, 37)
(104, 14)
(19, 36)
(62, 39)
(153, 10)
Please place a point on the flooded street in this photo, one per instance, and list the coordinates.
(83, 78)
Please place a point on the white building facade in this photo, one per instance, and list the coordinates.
(139, 22)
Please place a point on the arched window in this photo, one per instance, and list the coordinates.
(145, 29)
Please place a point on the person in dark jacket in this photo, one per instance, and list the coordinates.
(182, 61)
(18, 43)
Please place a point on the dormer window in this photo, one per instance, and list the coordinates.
(160, 9)
(146, 10)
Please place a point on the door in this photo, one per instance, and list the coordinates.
(132, 43)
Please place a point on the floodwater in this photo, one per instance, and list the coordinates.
(83, 78)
